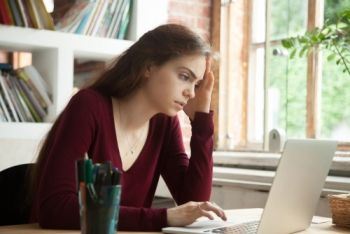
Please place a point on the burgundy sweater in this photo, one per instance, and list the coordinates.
(86, 125)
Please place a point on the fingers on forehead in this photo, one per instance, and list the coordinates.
(208, 63)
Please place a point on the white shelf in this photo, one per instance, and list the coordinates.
(32, 131)
(31, 40)
(53, 55)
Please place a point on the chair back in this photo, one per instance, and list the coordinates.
(14, 207)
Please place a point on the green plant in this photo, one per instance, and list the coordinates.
(333, 36)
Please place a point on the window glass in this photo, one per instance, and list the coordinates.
(335, 101)
(287, 93)
(288, 18)
(287, 77)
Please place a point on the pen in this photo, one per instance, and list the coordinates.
(115, 180)
(80, 169)
(103, 176)
(89, 179)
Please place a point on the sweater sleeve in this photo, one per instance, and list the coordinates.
(190, 179)
(141, 219)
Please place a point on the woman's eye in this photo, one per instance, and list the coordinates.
(184, 77)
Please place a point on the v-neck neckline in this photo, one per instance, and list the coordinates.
(116, 144)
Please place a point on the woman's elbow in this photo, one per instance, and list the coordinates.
(51, 217)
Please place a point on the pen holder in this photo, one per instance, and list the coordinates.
(99, 214)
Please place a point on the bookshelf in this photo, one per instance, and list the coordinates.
(53, 55)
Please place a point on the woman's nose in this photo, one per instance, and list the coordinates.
(189, 92)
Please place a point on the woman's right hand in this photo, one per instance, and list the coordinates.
(188, 213)
(202, 99)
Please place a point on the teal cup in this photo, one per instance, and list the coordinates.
(99, 212)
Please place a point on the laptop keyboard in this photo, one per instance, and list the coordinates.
(244, 228)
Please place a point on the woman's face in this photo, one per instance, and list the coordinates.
(171, 85)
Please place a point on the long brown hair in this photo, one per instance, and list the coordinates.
(155, 47)
(125, 75)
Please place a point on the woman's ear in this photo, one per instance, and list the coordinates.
(148, 70)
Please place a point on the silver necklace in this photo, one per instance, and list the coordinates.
(133, 146)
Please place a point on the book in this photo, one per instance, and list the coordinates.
(39, 82)
(116, 14)
(8, 10)
(117, 23)
(5, 14)
(15, 101)
(5, 91)
(25, 94)
(22, 12)
(124, 21)
(83, 24)
(31, 97)
(23, 106)
(5, 67)
(86, 72)
(26, 12)
(107, 19)
(5, 113)
(73, 16)
(90, 17)
(44, 16)
(84, 20)
(99, 17)
(94, 17)
(2, 115)
(34, 14)
(16, 13)
(23, 76)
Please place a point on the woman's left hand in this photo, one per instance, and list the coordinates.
(202, 99)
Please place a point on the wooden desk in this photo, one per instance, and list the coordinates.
(324, 228)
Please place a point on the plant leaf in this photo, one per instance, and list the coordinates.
(303, 50)
(331, 57)
(292, 55)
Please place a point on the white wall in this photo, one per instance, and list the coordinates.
(146, 16)
(14, 152)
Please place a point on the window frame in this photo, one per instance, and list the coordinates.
(314, 76)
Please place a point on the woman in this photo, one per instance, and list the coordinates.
(128, 117)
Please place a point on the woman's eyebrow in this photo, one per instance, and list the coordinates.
(190, 71)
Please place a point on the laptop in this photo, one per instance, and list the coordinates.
(293, 197)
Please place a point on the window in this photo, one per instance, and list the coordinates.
(261, 88)
(283, 103)
(334, 112)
